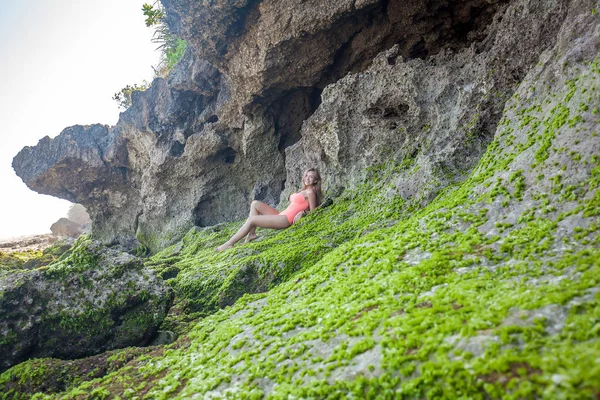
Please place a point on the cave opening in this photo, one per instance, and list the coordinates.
(198, 214)
(290, 111)
(226, 155)
(424, 30)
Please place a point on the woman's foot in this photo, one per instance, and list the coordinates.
(250, 238)
(224, 246)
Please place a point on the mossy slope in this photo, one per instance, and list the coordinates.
(30, 259)
(492, 290)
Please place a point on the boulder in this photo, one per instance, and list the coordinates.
(94, 300)
(66, 227)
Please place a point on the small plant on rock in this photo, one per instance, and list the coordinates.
(172, 49)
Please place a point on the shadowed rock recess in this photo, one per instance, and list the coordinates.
(459, 259)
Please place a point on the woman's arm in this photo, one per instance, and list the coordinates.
(298, 216)
(312, 200)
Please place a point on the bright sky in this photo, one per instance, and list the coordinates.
(61, 61)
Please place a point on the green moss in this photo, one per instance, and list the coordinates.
(32, 259)
(78, 259)
(400, 288)
(558, 117)
(16, 260)
(518, 180)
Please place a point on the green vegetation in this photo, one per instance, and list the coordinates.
(32, 259)
(17, 260)
(52, 375)
(489, 291)
(172, 49)
(123, 98)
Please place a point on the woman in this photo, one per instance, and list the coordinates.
(264, 216)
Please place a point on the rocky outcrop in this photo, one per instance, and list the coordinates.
(428, 119)
(75, 166)
(197, 147)
(66, 227)
(94, 300)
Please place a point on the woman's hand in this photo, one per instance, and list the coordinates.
(298, 216)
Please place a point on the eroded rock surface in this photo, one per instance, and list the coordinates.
(198, 146)
(429, 119)
(94, 300)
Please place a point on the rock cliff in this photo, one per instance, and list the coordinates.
(224, 128)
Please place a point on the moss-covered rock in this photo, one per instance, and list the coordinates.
(31, 259)
(18, 260)
(93, 300)
(49, 375)
(490, 290)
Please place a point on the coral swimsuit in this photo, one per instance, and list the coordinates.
(297, 204)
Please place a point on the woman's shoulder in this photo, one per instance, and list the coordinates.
(309, 192)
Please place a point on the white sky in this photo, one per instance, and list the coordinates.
(61, 61)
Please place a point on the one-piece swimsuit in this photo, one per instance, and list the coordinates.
(297, 204)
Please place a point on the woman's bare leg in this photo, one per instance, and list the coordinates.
(258, 208)
(263, 221)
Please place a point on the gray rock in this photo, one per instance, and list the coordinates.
(163, 337)
(432, 118)
(476, 345)
(96, 299)
(66, 227)
(197, 147)
(553, 316)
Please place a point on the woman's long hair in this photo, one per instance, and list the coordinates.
(317, 187)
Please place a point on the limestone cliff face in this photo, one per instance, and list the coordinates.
(269, 88)
(435, 115)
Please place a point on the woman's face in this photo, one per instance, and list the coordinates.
(310, 178)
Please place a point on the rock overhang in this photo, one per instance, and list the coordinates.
(241, 94)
